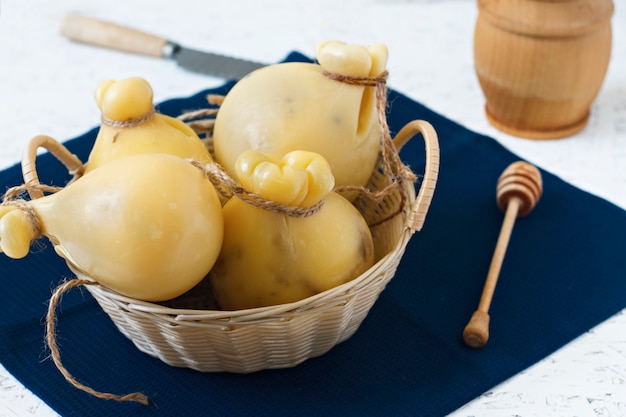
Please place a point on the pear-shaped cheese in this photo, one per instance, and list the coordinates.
(295, 106)
(148, 226)
(130, 126)
(270, 258)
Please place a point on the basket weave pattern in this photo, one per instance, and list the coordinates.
(249, 340)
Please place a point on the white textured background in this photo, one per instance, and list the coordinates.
(46, 87)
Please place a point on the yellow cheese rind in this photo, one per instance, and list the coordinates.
(295, 106)
(269, 259)
(148, 226)
(161, 134)
(130, 127)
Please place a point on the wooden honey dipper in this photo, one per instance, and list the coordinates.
(518, 191)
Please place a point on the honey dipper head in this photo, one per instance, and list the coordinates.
(523, 181)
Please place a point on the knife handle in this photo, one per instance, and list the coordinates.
(97, 32)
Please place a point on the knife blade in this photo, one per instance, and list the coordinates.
(92, 31)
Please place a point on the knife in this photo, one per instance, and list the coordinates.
(97, 32)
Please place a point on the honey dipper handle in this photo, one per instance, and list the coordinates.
(498, 254)
(476, 332)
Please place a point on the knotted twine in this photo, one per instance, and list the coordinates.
(392, 167)
(122, 124)
(11, 199)
(55, 353)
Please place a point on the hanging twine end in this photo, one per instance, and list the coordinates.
(55, 353)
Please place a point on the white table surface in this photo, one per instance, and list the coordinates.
(47, 84)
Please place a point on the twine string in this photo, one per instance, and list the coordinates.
(11, 198)
(229, 187)
(194, 114)
(392, 166)
(121, 124)
(202, 121)
(16, 191)
(55, 353)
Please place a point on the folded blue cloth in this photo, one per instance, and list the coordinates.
(564, 273)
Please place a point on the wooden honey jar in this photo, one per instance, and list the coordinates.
(541, 63)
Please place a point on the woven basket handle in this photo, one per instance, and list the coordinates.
(417, 214)
(29, 170)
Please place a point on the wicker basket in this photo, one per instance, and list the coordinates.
(283, 335)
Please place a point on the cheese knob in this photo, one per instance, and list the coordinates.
(300, 178)
(124, 100)
(16, 232)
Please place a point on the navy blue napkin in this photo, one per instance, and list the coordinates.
(564, 273)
